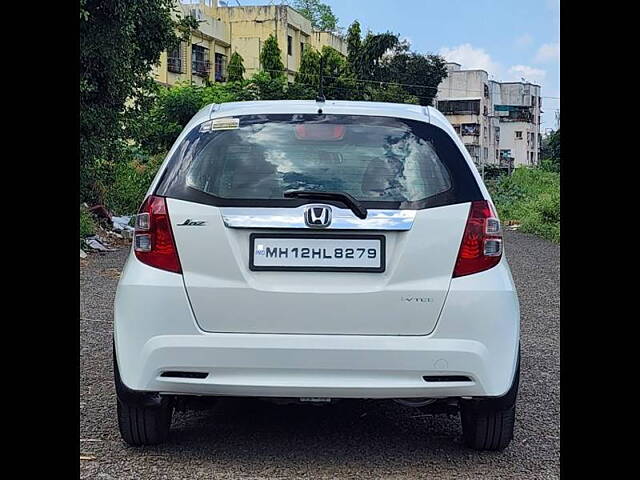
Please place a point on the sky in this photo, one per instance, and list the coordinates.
(510, 39)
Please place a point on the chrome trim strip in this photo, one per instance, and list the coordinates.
(342, 218)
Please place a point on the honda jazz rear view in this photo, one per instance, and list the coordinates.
(315, 252)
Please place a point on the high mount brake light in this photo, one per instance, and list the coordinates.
(320, 131)
(481, 246)
(153, 239)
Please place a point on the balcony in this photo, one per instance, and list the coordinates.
(514, 113)
(459, 107)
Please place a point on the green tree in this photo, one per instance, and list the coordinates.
(372, 50)
(384, 58)
(120, 42)
(235, 68)
(390, 93)
(336, 78)
(337, 81)
(354, 44)
(299, 91)
(550, 152)
(420, 74)
(268, 86)
(320, 14)
(271, 58)
(554, 145)
(309, 71)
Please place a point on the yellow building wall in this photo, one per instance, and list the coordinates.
(245, 29)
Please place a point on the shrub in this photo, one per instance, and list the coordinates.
(235, 68)
(550, 165)
(530, 196)
(156, 129)
(87, 223)
(131, 182)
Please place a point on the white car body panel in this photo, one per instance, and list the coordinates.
(482, 345)
(255, 333)
(238, 300)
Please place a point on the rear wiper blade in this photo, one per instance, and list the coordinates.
(355, 206)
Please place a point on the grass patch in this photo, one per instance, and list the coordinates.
(531, 197)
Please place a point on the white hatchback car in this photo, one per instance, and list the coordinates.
(316, 251)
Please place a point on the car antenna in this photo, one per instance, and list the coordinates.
(320, 97)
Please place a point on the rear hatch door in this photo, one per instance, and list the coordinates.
(242, 241)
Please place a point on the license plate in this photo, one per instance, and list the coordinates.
(316, 252)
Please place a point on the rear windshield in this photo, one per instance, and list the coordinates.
(382, 162)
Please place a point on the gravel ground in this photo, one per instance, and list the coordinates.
(351, 439)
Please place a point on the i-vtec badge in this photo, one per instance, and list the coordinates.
(317, 216)
(417, 299)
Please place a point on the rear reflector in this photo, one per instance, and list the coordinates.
(446, 378)
(153, 241)
(481, 246)
(184, 374)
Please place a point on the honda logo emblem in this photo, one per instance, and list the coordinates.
(317, 216)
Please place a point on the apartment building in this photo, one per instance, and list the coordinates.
(519, 113)
(464, 97)
(499, 123)
(227, 29)
(203, 57)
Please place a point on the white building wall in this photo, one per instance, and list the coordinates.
(521, 138)
(472, 85)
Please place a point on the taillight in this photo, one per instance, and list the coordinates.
(481, 246)
(153, 240)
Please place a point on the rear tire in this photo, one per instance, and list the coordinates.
(487, 424)
(141, 421)
(142, 425)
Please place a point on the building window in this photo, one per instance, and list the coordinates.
(484, 132)
(459, 107)
(289, 45)
(174, 59)
(200, 61)
(497, 134)
(471, 129)
(221, 67)
(474, 151)
(457, 129)
(518, 135)
(497, 154)
(301, 48)
(486, 90)
(486, 153)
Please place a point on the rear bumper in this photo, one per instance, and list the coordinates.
(319, 366)
(477, 336)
